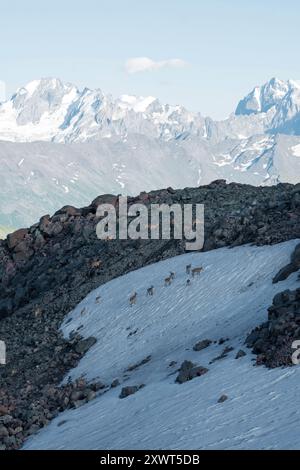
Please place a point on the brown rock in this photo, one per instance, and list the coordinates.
(13, 239)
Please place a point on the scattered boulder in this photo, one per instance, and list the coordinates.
(223, 354)
(188, 371)
(84, 345)
(16, 237)
(115, 383)
(222, 398)
(223, 340)
(240, 354)
(130, 390)
(202, 344)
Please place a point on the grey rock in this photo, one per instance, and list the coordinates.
(84, 345)
(202, 344)
(130, 390)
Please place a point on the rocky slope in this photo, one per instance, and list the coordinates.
(47, 269)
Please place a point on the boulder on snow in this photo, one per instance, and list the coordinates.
(84, 345)
(130, 390)
(202, 344)
(222, 398)
(240, 354)
(188, 371)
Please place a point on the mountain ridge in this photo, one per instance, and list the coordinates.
(60, 145)
(49, 109)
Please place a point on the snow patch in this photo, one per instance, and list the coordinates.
(229, 299)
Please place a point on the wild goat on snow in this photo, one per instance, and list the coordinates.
(168, 281)
(197, 271)
(172, 275)
(150, 290)
(188, 268)
(132, 299)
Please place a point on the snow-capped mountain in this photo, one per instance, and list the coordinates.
(61, 145)
(50, 110)
(279, 101)
(146, 344)
(263, 98)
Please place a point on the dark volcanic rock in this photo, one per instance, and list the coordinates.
(272, 341)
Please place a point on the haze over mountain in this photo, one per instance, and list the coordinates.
(61, 145)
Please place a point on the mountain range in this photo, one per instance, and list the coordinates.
(60, 145)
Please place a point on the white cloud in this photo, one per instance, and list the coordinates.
(143, 64)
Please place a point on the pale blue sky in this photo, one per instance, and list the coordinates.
(229, 45)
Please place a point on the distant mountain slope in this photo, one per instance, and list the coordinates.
(40, 177)
(229, 298)
(51, 110)
(63, 146)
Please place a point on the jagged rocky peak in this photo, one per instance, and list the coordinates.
(264, 97)
(275, 93)
(51, 110)
(47, 95)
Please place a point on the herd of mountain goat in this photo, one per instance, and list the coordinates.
(168, 281)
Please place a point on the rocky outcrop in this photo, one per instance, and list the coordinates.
(32, 416)
(272, 340)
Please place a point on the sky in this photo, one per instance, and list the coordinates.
(205, 55)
